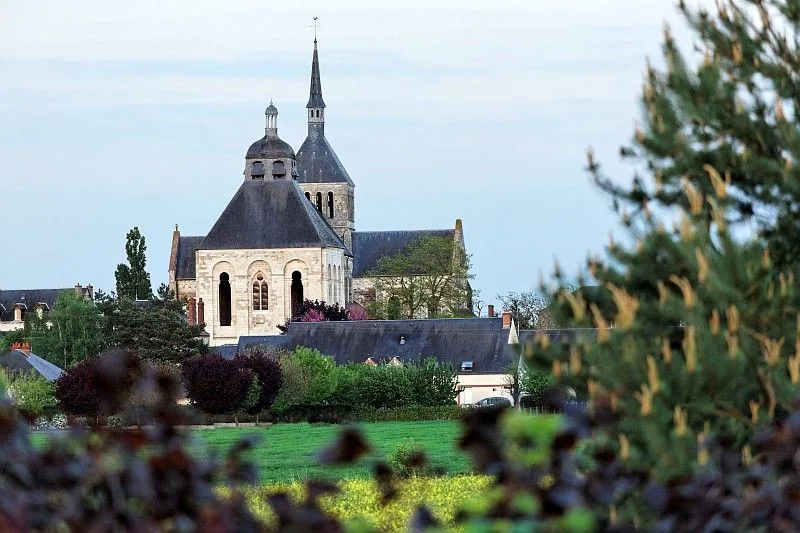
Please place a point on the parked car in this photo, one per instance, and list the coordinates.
(494, 401)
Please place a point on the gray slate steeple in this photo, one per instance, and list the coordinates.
(316, 160)
(315, 100)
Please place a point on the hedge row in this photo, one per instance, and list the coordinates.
(329, 414)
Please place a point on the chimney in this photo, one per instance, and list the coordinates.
(192, 311)
(506, 319)
(201, 311)
(490, 311)
(24, 347)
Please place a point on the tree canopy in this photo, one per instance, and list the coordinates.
(69, 333)
(133, 281)
(430, 278)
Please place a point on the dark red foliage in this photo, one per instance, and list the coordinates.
(266, 367)
(214, 384)
(100, 385)
(99, 481)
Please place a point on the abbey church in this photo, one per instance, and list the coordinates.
(288, 234)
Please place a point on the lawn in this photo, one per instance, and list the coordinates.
(287, 451)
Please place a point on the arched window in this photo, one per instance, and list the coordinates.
(319, 202)
(260, 293)
(330, 205)
(308, 195)
(297, 292)
(317, 113)
(224, 299)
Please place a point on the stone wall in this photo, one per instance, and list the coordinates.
(277, 266)
(343, 207)
(186, 288)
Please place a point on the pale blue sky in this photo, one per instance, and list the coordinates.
(119, 114)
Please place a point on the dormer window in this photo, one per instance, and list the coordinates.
(257, 171)
(278, 168)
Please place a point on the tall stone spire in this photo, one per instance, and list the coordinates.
(315, 105)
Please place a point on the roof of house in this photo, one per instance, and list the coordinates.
(28, 297)
(19, 361)
(483, 341)
(187, 246)
(270, 214)
(318, 163)
(370, 246)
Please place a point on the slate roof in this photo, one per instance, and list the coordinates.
(270, 147)
(315, 93)
(19, 361)
(30, 297)
(318, 163)
(370, 246)
(187, 246)
(270, 214)
(480, 340)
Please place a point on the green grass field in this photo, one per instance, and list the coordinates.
(287, 451)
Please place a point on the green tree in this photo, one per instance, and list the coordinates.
(69, 333)
(429, 278)
(705, 316)
(31, 393)
(133, 281)
(155, 330)
(530, 309)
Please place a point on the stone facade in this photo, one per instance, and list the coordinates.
(343, 197)
(321, 273)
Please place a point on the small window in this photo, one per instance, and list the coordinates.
(319, 202)
(260, 293)
(257, 170)
(308, 195)
(466, 366)
(317, 113)
(278, 168)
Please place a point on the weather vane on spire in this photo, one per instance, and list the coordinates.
(315, 25)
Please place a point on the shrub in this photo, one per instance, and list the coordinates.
(33, 395)
(410, 460)
(267, 368)
(308, 378)
(85, 389)
(216, 385)
(434, 383)
(424, 382)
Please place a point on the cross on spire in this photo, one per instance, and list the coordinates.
(315, 25)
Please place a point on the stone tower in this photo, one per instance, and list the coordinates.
(320, 174)
(270, 157)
